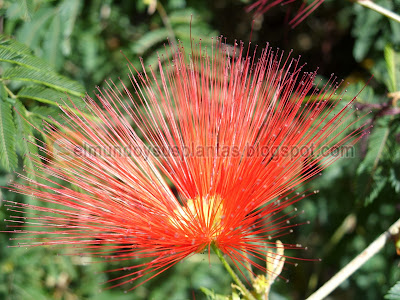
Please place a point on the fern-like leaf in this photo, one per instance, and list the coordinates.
(69, 10)
(394, 179)
(8, 155)
(10, 55)
(25, 142)
(376, 146)
(32, 32)
(6, 42)
(369, 181)
(393, 67)
(21, 9)
(52, 42)
(50, 96)
(52, 80)
(43, 112)
(394, 292)
(150, 39)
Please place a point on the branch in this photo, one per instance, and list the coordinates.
(356, 263)
(379, 9)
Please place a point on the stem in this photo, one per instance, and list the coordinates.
(356, 263)
(235, 278)
(11, 94)
(165, 20)
(379, 9)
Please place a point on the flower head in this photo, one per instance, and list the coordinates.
(204, 151)
(262, 6)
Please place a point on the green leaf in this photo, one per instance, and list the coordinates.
(366, 95)
(367, 24)
(12, 55)
(8, 155)
(184, 16)
(16, 46)
(394, 292)
(52, 80)
(393, 68)
(378, 171)
(369, 181)
(21, 9)
(197, 33)
(25, 142)
(394, 179)
(27, 8)
(31, 32)
(376, 145)
(45, 111)
(52, 42)
(50, 96)
(175, 5)
(69, 10)
(211, 295)
(90, 51)
(38, 114)
(149, 40)
(376, 184)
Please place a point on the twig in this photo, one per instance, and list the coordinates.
(379, 9)
(356, 263)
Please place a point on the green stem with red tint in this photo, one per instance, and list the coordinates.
(235, 278)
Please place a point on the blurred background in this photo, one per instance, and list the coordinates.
(50, 48)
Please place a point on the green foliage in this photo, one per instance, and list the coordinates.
(32, 273)
(392, 59)
(20, 9)
(41, 83)
(211, 295)
(149, 40)
(394, 292)
(370, 169)
(8, 156)
(379, 169)
(15, 53)
(48, 28)
(152, 43)
(49, 96)
(372, 30)
(51, 80)
(25, 143)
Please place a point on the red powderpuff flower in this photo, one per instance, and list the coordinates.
(233, 134)
(262, 6)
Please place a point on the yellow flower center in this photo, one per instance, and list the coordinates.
(203, 214)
